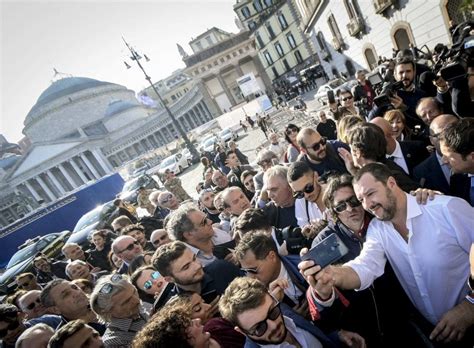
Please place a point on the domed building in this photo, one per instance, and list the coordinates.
(81, 129)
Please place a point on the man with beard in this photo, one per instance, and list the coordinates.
(427, 246)
(179, 265)
(249, 306)
(321, 155)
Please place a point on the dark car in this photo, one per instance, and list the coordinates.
(130, 188)
(96, 219)
(22, 261)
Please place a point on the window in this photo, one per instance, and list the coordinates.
(275, 72)
(271, 33)
(350, 9)
(257, 5)
(291, 40)
(268, 3)
(334, 28)
(279, 49)
(402, 39)
(252, 25)
(245, 12)
(259, 40)
(268, 57)
(298, 57)
(287, 66)
(209, 40)
(282, 20)
(321, 41)
(199, 45)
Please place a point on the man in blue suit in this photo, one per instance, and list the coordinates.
(436, 174)
(256, 314)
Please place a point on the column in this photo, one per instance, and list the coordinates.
(45, 188)
(90, 166)
(78, 171)
(67, 176)
(55, 181)
(105, 166)
(33, 192)
(226, 90)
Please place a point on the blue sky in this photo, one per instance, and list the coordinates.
(84, 39)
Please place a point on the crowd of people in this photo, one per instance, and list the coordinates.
(395, 185)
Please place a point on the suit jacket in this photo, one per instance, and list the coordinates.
(430, 175)
(291, 265)
(330, 341)
(414, 153)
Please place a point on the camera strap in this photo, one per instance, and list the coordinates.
(307, 210)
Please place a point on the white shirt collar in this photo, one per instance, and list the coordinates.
(397, 153)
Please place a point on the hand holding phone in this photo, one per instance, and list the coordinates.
(327, 251)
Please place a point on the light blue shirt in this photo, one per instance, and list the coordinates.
(434, 265)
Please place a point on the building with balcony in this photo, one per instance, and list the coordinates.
(218, 60)
(283, 48)
(351, 34)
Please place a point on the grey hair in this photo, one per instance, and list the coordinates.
(68, 245)
(28, 333)
(265, 155)
(73, 263)
(153, 197)
(179, 222)
(275, 171)
(227, 191)
(101, 303)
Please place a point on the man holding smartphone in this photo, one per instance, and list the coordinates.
(427, 246)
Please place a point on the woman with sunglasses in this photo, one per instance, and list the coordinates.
(293, 151)
(347, 106)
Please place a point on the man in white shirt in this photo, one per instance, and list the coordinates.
(308, 192)
(277, 147)
(427, 246)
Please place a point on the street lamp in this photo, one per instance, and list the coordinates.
(136, 58)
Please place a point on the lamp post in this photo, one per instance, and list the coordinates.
(136, 58)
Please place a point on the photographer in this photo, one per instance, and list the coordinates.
(455, 96)
(363, 91)
(403, 95)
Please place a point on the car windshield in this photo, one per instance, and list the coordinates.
(30, 250)
(210, 141)
(168, 161)
(88, 219)
(130, 185)
(336, 83)
(224, 132)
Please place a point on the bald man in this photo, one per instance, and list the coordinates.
(407, 154)
(433, 173)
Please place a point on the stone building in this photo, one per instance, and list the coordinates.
(283, 48)
(351, 34)
(219, 58)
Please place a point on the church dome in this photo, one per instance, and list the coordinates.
(118, 106)
(61, 88)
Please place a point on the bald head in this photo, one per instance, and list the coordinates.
(387, 131)
(437, 126)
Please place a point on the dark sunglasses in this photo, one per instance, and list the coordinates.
(158, 240)
(316, 146)
(347, 98)
(129, 247)
(33, 304)
(108, 287)
(309, 188)
(149, 283)
(352, 201)
(262, 326)
(11, 326)
(291, 130)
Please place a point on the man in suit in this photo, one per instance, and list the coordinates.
(407, 154)
(126, 248)
(249, 306)
(434, 173)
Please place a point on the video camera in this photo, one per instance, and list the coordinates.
(295, 241)
(388, 90)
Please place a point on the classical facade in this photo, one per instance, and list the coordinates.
(350, 34)
(218, 60)
(283, 48)
(81, 129)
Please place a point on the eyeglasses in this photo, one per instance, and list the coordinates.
(203, 222)
(149, 283)
(129, 247)
(352, 201)
(309, 188)
(11, 326)
(262, 326)
(108, 287)
(33, 304)
(316, 146)
(347, 98)
(157, 241)
(291, 130)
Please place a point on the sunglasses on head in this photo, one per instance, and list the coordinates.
(149, 283)
(347, 98)
(33, 304)
(291, 130)
(309, 188)
(11, 326)
(352, 201)
(316, 146)
(108, 287)
(261, 327)
(129, 247)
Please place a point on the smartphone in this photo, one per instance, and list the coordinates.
(331, 98)
(327, 251)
